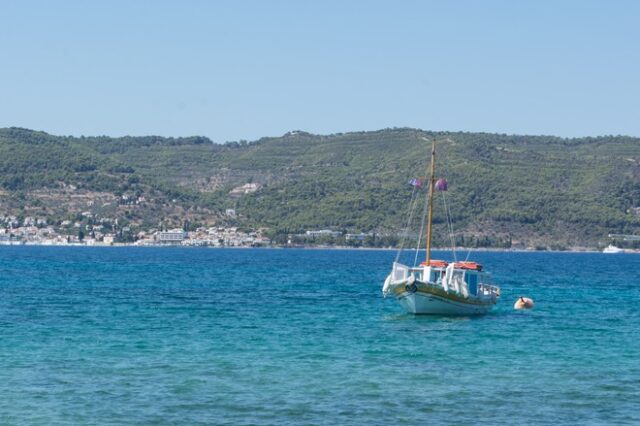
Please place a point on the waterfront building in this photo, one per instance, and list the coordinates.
(173, 236)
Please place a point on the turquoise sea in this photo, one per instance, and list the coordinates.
(260, 336)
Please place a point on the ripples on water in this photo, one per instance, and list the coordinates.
(184, 336)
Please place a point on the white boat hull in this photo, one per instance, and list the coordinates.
(612, 249)
(421, 303)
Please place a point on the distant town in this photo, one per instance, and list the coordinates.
(37, 231)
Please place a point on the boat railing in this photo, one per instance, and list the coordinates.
(399, 272)
(484, 288)
(458, 285)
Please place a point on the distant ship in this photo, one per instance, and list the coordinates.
(621, 237)
(438, 287)
(612, 249)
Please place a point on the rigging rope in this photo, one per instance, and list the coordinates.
(468, 254)
(447, 209)
(424, 218)
(450, 227)
(449, 221)
(412, 208)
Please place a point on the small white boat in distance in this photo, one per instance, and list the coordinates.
(437, 287)
(612, 249)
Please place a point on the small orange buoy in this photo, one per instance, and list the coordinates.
(523, 303)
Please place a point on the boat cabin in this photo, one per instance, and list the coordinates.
(465, 278)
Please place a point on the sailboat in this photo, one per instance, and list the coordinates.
(438, 287)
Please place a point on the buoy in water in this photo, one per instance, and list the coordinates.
(523, 303)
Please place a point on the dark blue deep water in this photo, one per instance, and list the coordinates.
(213, 336)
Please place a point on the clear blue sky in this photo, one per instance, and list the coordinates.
(235, 70)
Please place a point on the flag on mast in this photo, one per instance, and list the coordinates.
(441, 185)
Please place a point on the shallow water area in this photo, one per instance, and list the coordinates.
(275, 336)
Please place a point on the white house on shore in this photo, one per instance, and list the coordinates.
(323, 233)
(173, 236)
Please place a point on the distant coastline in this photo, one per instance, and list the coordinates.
(341, 189)
(308, 247)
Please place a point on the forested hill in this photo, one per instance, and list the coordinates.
(524, 190)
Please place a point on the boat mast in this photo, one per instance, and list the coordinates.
(432, 180)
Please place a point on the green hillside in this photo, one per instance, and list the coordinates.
(527, 190)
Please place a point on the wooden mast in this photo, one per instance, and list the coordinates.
(432, 179)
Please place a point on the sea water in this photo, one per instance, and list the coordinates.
(277, 336)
